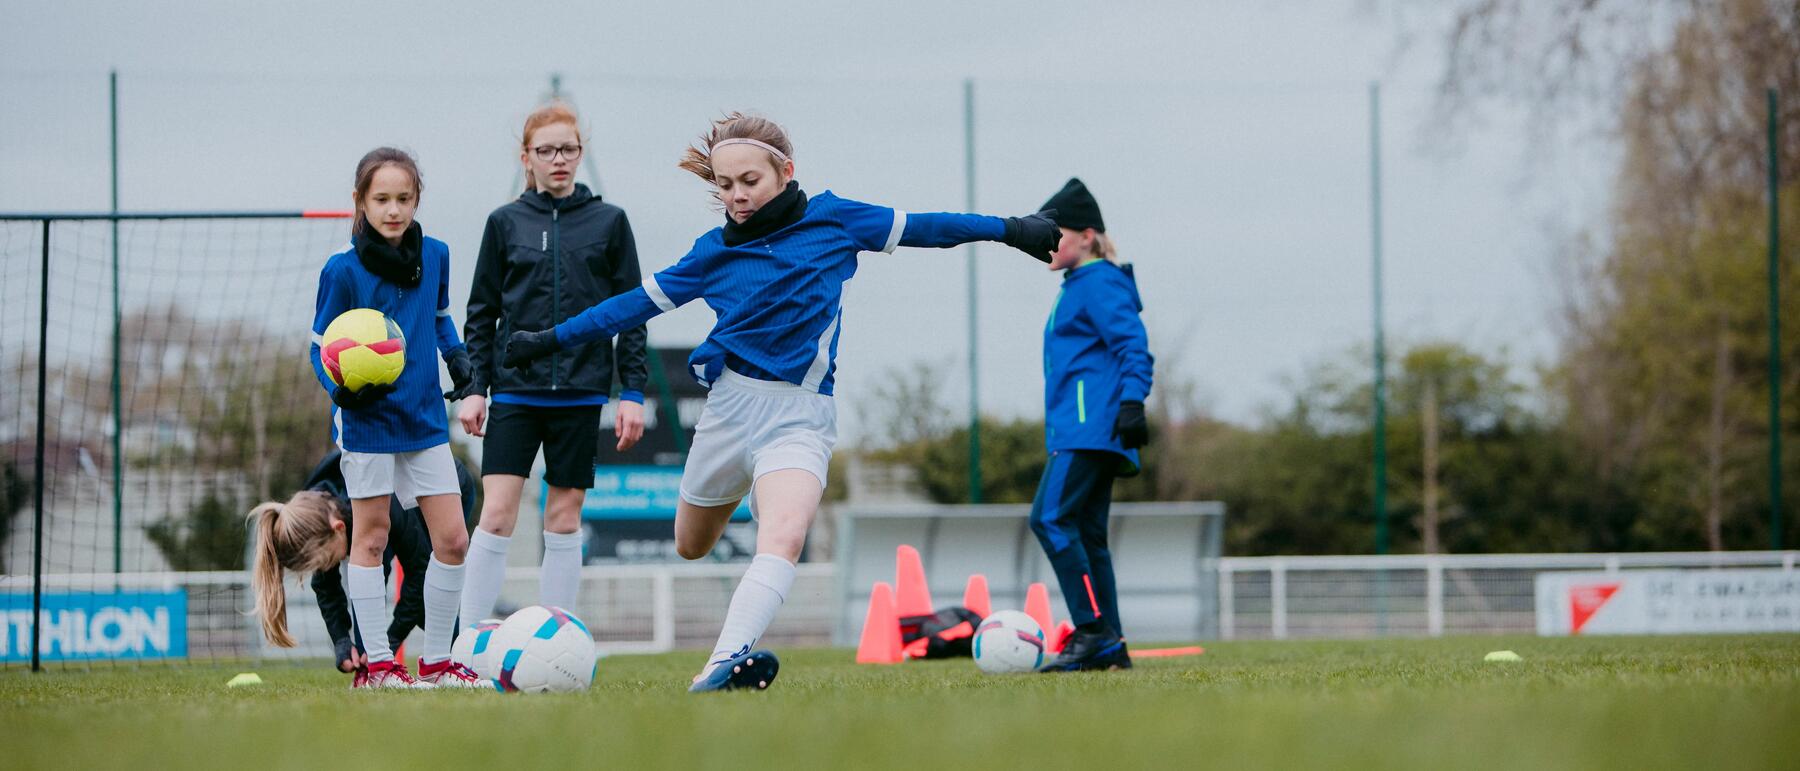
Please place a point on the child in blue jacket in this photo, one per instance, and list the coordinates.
(1096, 374)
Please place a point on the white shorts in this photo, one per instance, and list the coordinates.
(751, 427)
(408, 475)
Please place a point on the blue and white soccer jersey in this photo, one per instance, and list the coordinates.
(752, 427)
(771, 358)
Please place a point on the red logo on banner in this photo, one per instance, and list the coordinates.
(1585, 601)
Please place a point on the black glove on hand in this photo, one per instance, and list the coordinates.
(1131, 429)
(523, 347)
(344, 649)
(347, 399)
(1036, 235)
(462, 377)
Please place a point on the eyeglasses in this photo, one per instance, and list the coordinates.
(549, 152)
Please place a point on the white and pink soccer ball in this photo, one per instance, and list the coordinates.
(1009, 641)
(541, 649)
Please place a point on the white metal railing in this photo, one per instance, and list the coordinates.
(652, 608)
(630, 608)
(1412, 595)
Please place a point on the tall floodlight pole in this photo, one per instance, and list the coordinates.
(1380, 424)
(118, 403)
(1775, 539)
(974, 359)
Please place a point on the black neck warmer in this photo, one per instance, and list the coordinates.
(785, 209)
(401, 264)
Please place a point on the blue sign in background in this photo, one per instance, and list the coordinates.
(638, 492)
(87, 626)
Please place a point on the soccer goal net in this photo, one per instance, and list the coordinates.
(154, 385)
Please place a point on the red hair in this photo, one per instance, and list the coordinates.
(547, 115)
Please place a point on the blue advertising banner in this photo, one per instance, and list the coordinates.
(86, 626)
(639, 492)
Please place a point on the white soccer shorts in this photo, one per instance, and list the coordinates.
(752, 427)
(409, 475)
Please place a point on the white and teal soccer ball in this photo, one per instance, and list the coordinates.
(472, 648)
(542, 649)
(1009, 641)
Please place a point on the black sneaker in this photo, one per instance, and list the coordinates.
(1090, 650)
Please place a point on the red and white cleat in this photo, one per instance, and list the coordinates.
(388, 674)
(449, 674)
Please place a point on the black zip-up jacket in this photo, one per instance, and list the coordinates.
(542, 261)
(408, 541)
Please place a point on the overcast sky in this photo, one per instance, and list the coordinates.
(1226, 142)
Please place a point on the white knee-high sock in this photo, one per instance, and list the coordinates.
(366, 589)
(764, 587)
(559, 583)
(486, 571)
(443, 591)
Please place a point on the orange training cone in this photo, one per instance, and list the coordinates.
(975, 596)
(881, 629)
(1037, 606)
(911, 596)
(1064, 628)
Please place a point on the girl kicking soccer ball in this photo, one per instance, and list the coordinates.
(310, 534)
(774, 274)
(396, 439)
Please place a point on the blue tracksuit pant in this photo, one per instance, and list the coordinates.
(1069, 517)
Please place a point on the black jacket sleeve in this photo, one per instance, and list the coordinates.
(328, 587)
(485, 303)
(628, 352)
(412, 549)
(466, 484)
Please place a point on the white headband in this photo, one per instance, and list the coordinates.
(779, 155)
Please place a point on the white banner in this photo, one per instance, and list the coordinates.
(1668, 602)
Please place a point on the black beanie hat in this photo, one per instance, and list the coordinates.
(1076, 208)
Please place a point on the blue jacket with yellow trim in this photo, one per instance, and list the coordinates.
(1096, 355)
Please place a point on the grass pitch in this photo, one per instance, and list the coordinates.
(1692, 702)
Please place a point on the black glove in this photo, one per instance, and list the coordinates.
(344, 649)
(524, 347)
(1036, 235)
(347, 399)
(462, 377)
(1130, 428)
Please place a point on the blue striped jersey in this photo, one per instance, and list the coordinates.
(779, 298)
(413, 416)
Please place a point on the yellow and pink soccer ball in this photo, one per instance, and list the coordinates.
(362, 347)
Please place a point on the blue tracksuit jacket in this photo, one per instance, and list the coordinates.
(1096, 355)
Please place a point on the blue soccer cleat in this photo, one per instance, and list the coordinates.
(748, 669)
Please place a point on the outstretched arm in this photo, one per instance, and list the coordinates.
(880, 229)
(665, 291)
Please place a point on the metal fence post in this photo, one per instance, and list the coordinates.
(1278, 600)
(662, 622)
(1227, 604)
(1434, 597)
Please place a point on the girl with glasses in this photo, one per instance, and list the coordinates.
(556, 249)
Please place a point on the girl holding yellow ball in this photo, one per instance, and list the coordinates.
(395, 437)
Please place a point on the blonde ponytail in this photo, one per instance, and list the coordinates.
(296, 536)
(1104, 249)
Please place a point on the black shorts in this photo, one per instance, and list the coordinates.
(570, 437)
